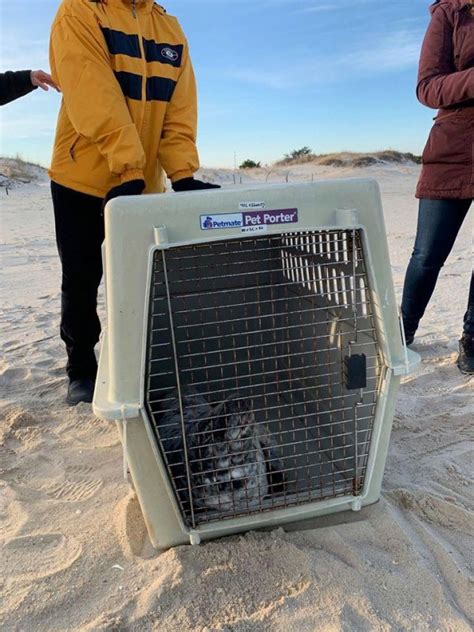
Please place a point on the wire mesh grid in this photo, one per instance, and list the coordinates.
(251, 388)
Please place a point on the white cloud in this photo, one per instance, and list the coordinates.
(394, 52)
(340, 5)
(16, 56)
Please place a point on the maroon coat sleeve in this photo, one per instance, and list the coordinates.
(439, 84)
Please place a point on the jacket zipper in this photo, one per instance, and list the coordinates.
(142, 52)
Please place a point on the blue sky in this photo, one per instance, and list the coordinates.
(273, 75)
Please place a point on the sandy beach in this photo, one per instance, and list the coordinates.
(74, 550)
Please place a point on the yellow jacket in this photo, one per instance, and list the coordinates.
(129, 96)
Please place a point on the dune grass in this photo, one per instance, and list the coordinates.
(352, 159)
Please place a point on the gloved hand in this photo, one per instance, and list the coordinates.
(190, 184)
(133, 187)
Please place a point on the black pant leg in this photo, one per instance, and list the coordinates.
(79, 236)
(439, 222)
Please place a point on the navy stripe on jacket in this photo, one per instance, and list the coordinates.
(120, 43)
(171, 54)
(159, 89)
(131, 84)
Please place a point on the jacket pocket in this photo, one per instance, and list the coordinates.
(72, 148)
(449, 140)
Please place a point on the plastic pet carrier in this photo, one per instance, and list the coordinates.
(252, 354)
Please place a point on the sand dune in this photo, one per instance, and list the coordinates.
(74, 548)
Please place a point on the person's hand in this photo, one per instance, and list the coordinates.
(132, 187)
(190, 184)
(41, 79)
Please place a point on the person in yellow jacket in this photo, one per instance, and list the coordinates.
(128, 116)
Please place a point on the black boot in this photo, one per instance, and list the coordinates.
(466, 355)
(81, 390)
(410, 330)
(409, 338)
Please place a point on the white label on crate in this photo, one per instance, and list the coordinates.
(252, 206)
(255, 229)
(249, 219)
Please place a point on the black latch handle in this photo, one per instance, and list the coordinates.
(356, 372)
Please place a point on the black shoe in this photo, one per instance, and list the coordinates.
(81, 390)
(466, 355)
(409, 335)
(409, 327)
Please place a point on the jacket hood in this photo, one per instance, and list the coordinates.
(143, 5)
(124, 1)
(455, 5)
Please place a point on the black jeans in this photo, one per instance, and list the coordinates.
(79, 236)
(439, 222)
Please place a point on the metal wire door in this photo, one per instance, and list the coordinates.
(263, 371)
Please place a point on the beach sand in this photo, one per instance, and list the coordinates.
(75, 554)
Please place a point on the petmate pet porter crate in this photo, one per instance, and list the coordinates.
(252, 354)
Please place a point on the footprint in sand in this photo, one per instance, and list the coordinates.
(433, 509)
(13, 596)
(23, 432)
(49, 478)
(8, 459)
(90, 431)
(10, 343)
(12, 513)
(45, 317)
(75, 491)
(11, 377)
(31, 438)
(439, 378)
(37, 471)
(432, 343)
(77, 486)
(20, 418)
(49, 366)
(40, 555)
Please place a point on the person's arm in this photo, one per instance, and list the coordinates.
(14, 85)
(93, 97)
(178, 152)
(440, 85)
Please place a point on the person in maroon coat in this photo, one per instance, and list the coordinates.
(446, 185)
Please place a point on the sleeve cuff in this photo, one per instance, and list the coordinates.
(24, 80)
(132, 174)
(180, 175)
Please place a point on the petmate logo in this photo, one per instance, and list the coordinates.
(223, 220)
(207, 223)
(170, 54)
